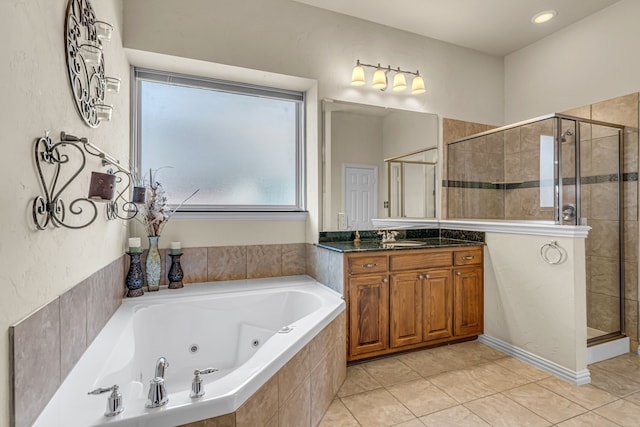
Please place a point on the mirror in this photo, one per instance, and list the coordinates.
(357, 140)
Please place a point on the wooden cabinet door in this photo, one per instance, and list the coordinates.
(437, 295)
(468, 301)
(406, 309)
(368, 314)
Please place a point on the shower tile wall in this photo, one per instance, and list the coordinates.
(597, 198)
(603, 296)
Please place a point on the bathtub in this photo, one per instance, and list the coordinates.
(247, 329)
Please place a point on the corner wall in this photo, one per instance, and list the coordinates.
(38, 266)
(591, 60)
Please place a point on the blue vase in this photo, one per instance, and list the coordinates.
(135, 276)
(153, 264)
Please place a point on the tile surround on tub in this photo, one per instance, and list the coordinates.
(301, 391)
(75, 318)
(48, 343)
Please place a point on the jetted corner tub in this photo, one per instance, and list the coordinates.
(247, 329)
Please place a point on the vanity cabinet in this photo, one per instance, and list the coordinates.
(399, 300)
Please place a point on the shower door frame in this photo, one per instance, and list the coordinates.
(578, 187)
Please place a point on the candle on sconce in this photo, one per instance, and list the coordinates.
(174, 248)
(134, 244)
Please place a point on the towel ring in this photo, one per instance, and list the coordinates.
(552, 253)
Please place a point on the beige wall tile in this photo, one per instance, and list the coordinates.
(296, 410)
(194, 264)
(631, 319)
(322, 385)
(603, 312)
(605, 276)
(294, 260)
(630, 152)
(603, 238)
(293, 373)
(630, 280)
(73, 327)
(35, 357)
(605, 156)
(621, 110)
(582, 112)
(226, 263)
(260, 407)
(630, 240)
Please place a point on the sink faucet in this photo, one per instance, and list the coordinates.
(388, 235)
(157, 391)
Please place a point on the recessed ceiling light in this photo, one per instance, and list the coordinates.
(544, 16)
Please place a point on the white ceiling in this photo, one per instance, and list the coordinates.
(497, 27)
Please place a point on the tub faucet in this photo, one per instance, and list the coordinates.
(157, 390)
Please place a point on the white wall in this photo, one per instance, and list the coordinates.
(590, 61)
(289, 38)
(37, 266)
(535, 306)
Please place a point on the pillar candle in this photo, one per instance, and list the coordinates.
(175, 248)
(134, 244)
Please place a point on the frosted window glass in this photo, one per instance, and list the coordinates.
(546, 172)
(241, 150)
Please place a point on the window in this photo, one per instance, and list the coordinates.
(547, 184)
(242, 146)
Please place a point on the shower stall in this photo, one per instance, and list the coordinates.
(556, 168)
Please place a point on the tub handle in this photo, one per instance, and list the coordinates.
(114, 401)
(197, 389)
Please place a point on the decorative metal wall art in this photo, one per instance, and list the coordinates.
(51, 207)
(85, 62)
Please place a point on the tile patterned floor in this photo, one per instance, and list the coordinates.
(470, 384)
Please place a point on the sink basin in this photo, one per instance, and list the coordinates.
(404, 244)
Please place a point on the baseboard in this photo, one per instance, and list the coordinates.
(607, 350)
(577, 378)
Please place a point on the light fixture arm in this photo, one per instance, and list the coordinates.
(387, 68)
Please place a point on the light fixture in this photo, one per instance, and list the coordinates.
(417, 85)
(399, 82)
(380, 80)
(85, 37)
(544, 16)
(357, 77)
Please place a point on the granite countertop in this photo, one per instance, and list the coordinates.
(376, 245)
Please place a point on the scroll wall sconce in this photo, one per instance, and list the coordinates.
(85, 62)
(65, 167)
(380, 78)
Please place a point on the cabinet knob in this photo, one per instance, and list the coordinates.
(468, 257)
(459, 273)
(385, 280)
(370, 265)
(421, 277)
(427, 276)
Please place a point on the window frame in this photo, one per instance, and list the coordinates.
(139, 75)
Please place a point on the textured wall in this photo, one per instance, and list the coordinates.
(38, 266)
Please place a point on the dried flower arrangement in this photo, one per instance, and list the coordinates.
(154, 212)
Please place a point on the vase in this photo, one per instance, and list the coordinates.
(176, 274)
(135, 277)
(153, 264)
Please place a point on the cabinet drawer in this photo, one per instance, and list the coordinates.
(369, 264)
(470, 257)
(420, 261)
